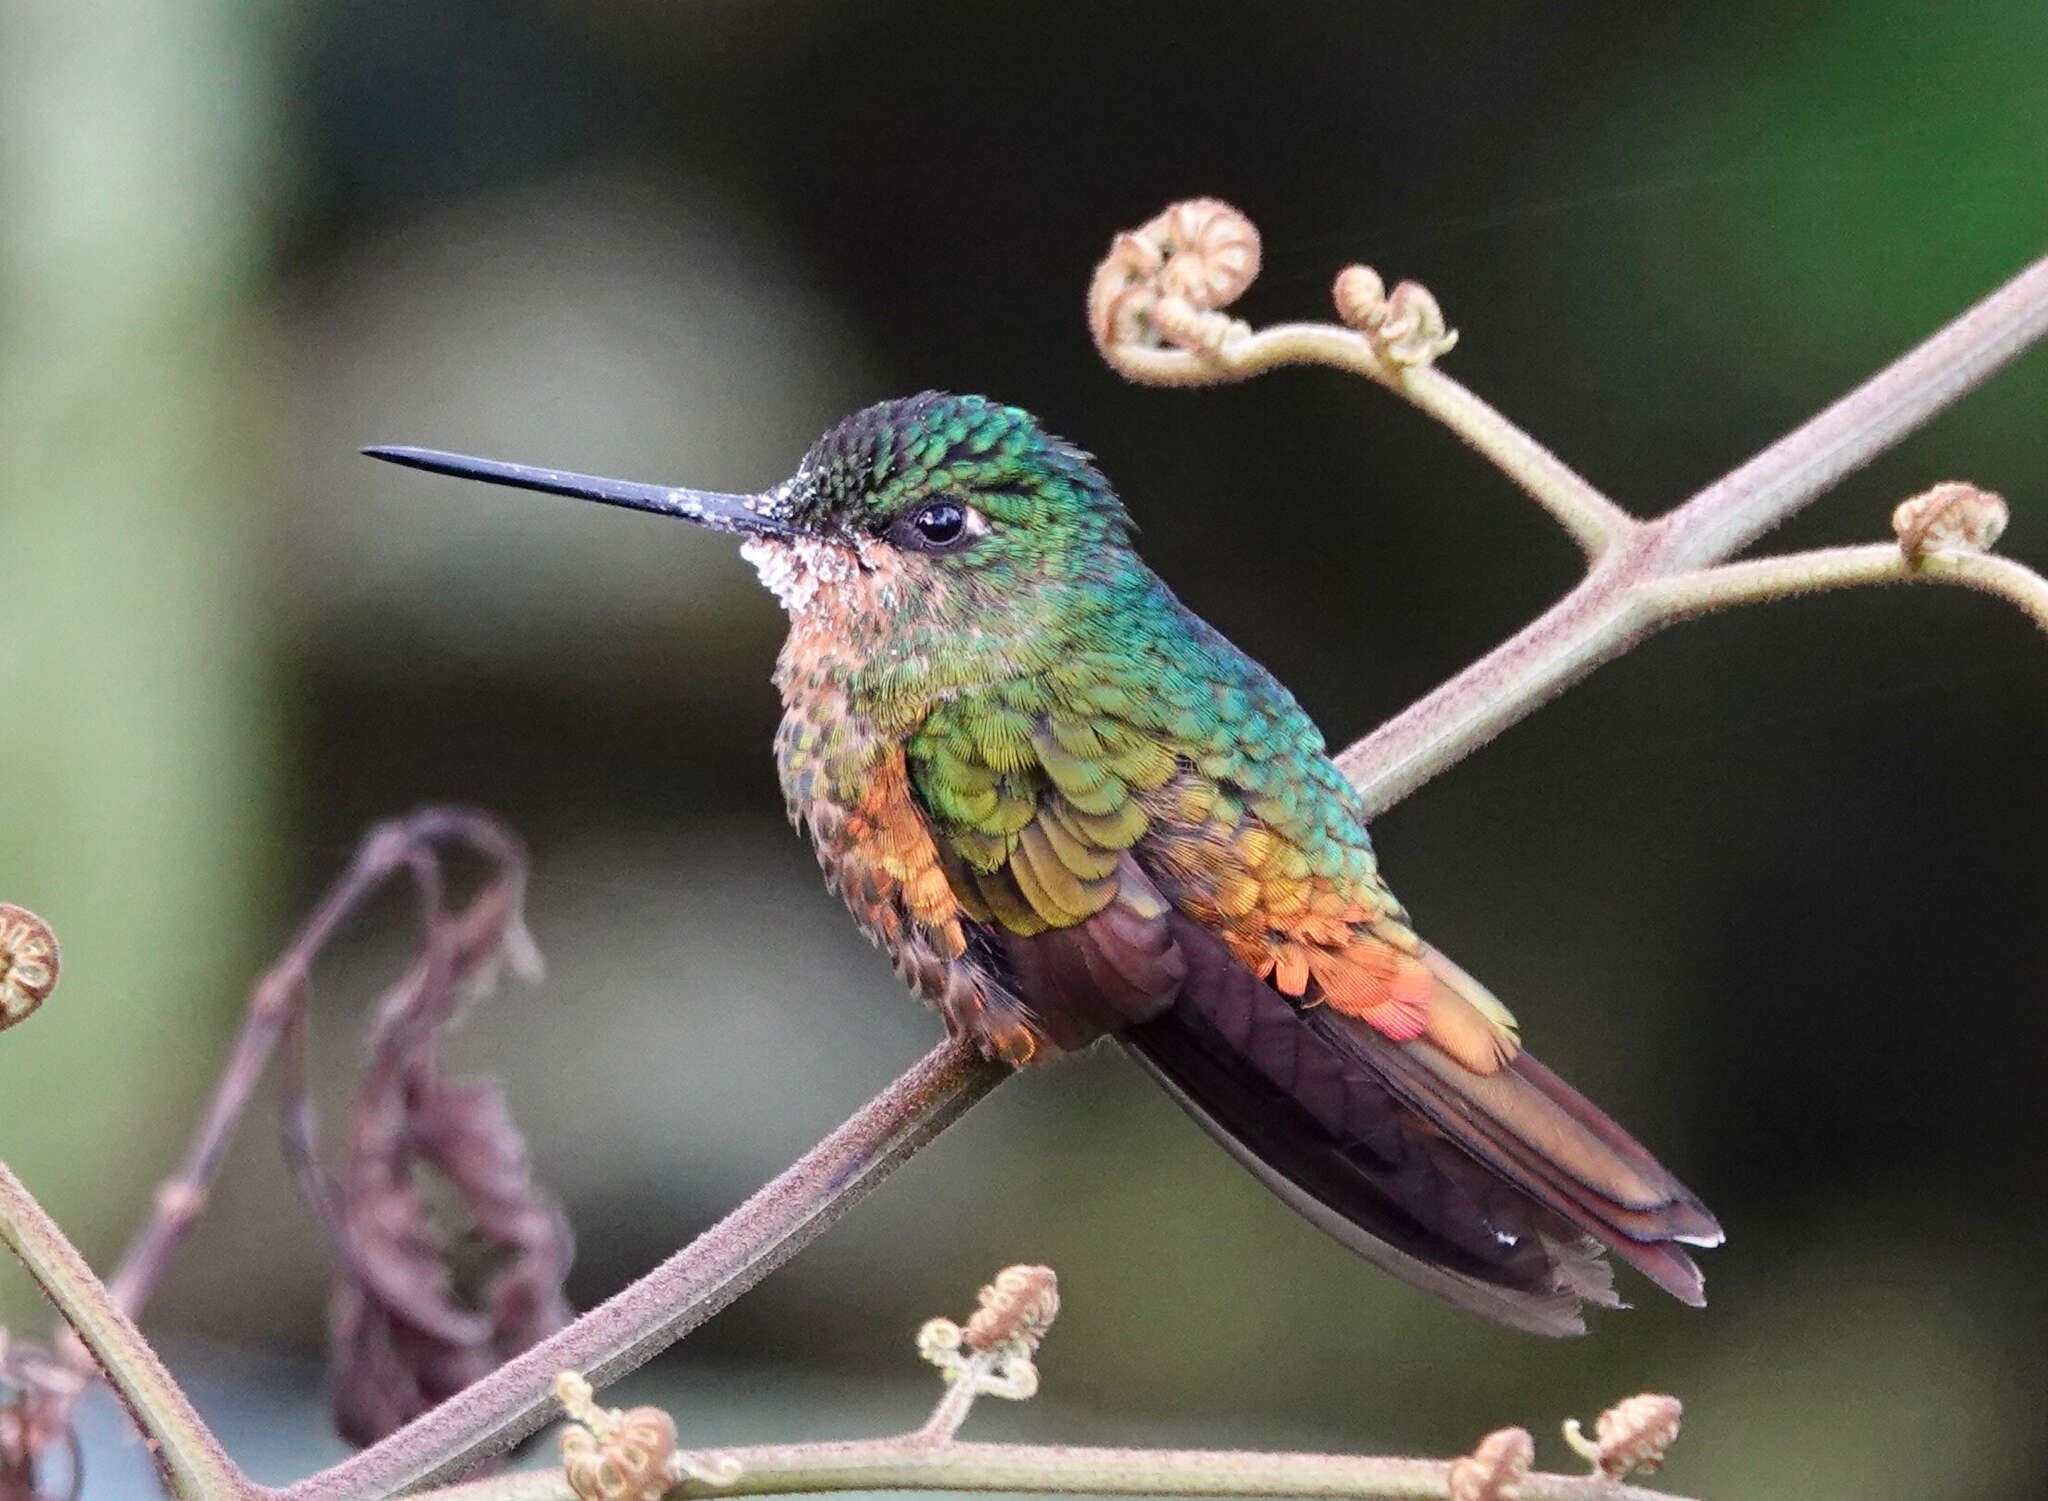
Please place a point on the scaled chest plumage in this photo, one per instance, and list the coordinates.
(845, 781)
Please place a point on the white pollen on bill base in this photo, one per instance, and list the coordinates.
(794, 571)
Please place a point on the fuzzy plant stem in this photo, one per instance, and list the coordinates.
(915, 1464)
(1155, 309)
(193, 1463)
(1753, 580)
(1658, 571)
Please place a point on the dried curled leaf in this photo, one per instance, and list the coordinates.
(449, 1258)
(1162, 282)
(1490, 1471)
(35, 1399)
(1953, 516)
(1631, 1435)
(422, 1308)
(28, 964)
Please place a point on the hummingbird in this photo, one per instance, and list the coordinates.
(1069, 809)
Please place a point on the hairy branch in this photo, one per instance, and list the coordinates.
(1758, 579)
(1152, 308)
(192, 1460)
(909, 1464)
(1899, 400)
(610, 1455)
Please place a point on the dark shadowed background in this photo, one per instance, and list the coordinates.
(1771, 888)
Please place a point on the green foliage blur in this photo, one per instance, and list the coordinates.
(1770, 889)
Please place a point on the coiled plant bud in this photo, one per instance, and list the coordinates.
(1163, 281)
(1490, 1471)
(1953, 516)
(1630, 1435)
(28, 964)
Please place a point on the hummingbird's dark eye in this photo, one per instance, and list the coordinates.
(936, 526)
(941, 523)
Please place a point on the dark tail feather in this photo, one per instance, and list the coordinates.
(1497, 1198)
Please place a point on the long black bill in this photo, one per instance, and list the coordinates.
(748, 515)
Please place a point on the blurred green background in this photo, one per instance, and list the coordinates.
(1771, 888)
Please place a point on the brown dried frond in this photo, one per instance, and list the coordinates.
(35, 1393)
(1953, 516)
(433, 1290)
(28, 963)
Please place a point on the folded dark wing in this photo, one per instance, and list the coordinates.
(1500, 1204)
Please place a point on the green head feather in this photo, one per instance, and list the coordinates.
(1043, 501)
